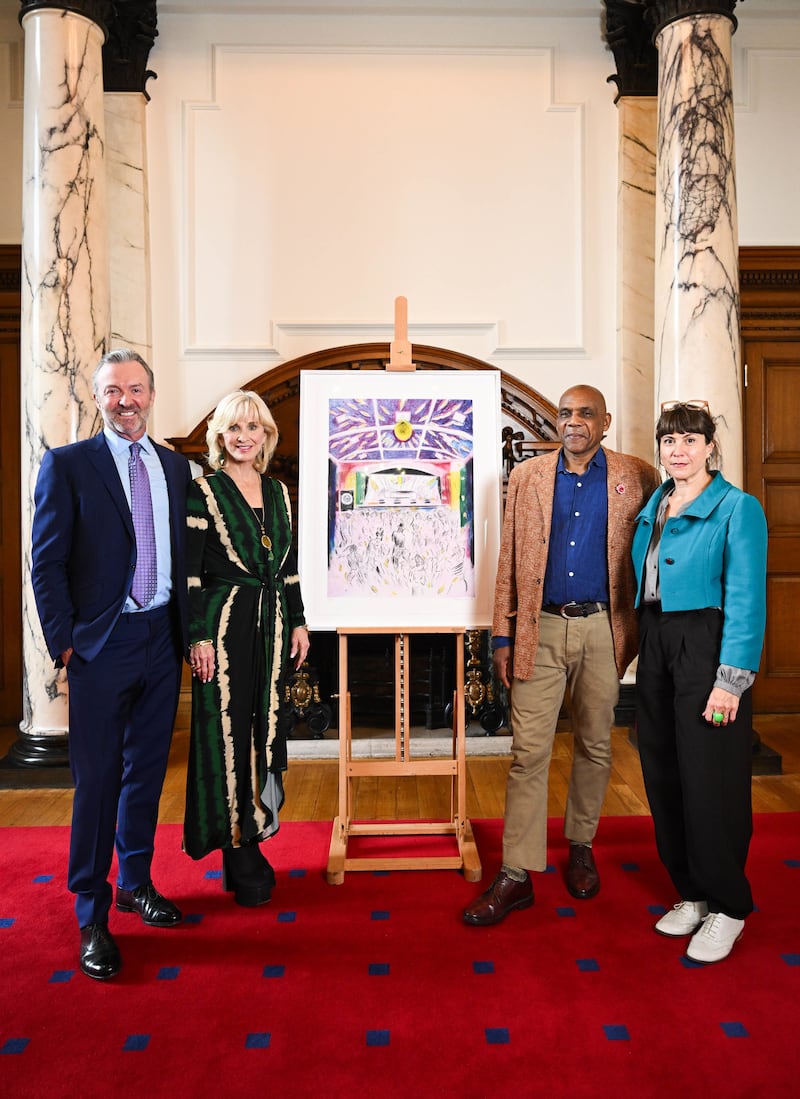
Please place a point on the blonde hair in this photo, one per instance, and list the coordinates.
(241, 406)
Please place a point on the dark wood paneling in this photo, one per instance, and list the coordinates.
(770, 280)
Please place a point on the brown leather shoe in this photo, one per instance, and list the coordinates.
(502, 897)
(583, 881)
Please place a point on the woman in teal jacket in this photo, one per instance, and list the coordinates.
(699, 553)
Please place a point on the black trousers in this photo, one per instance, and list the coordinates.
(697, 776)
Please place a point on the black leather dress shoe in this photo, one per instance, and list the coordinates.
(100, 956)
(154, 909)
(583, 880)
(503, 896)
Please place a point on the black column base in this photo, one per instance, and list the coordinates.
(34, 761)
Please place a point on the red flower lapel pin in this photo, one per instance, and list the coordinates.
(620, 489)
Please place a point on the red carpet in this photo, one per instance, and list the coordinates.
(376, 988)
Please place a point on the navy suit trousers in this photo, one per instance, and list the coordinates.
(122, 707)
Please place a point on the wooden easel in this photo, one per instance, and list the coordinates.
(403, 764)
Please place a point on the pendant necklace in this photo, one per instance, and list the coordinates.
(266, 541)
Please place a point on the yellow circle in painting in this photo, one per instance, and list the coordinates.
(403, 430)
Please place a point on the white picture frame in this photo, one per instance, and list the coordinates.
(400, 498)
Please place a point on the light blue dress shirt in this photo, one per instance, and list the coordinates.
(121, 451)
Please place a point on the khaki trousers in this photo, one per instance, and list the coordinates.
(579, 653)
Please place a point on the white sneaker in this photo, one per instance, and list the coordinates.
(715, 939)
(682, 919)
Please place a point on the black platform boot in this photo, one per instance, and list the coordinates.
(247, 874)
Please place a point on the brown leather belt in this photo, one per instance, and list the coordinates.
(574, 610)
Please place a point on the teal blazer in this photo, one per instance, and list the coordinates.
(714, 554)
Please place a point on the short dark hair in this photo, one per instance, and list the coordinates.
(123, 355)
(688, 419)
(684, 419)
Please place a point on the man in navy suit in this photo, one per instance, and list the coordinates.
(123, 655)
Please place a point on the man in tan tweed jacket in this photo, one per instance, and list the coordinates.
(563, 616)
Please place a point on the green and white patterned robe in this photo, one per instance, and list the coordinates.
(246, 599)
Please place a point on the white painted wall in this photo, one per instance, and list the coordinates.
(304, 171)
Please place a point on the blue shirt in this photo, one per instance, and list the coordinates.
(577, 558)
(121, 451)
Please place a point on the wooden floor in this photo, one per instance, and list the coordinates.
(312, 786)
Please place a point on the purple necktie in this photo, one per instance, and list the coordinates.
(144, 578)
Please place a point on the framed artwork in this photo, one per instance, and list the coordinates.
(399, 498)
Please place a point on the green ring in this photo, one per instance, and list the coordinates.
(717, 718)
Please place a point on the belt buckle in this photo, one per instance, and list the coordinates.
(563, 609)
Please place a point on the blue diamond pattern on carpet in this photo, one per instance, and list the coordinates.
(6, 922)
(40, 879)
(687, 963)
(791, 959)
(497, 1036)
(14, 1045)
(257, 1040)
(61, 976)
(377, 1037)
(630, 867)
(657, 909)
(483, 967)
(287, 917)
(298, 872)
(565, 910)
(379, 914)
(169, 972)
(588, 965)
(213, 875)
(378, 969)
(617, 1033)
(735, 1030)
(193, 917)
(136, 1042)
(273, 971)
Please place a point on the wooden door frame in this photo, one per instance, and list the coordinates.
(769, 280)
(770, 301)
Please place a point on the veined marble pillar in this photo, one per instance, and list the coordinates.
(636, 79)
(132, 32)
(697, 319)
(129, 221)
(65, 296)
(636, 275)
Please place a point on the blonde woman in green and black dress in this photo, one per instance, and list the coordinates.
(247, 631)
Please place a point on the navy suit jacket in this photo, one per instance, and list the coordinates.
(83, 545)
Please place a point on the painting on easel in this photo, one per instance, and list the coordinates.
(400, 495)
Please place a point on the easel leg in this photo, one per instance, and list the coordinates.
(337, 853)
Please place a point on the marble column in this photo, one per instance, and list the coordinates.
(128, 230)
(697, 317)
(65, 296)
(131, 34)
(636, 275)
(636, 80)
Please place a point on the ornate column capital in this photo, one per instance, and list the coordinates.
(131, 34)
(99, 11)
(130, 30)
(630, 40)
(659, 13)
